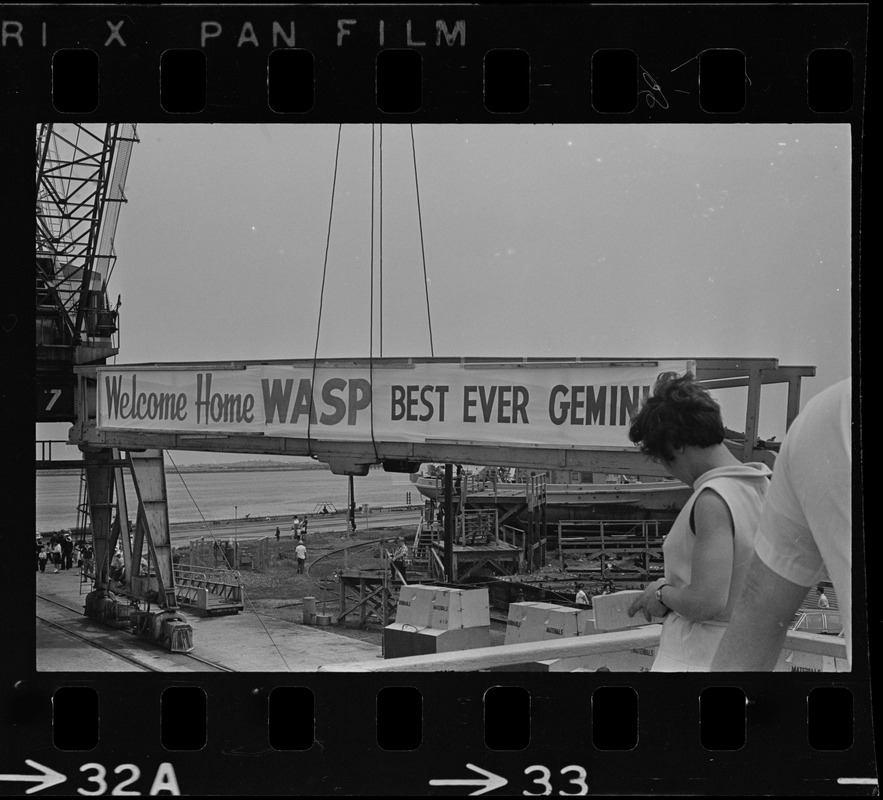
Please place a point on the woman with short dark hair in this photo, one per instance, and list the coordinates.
(711, 542)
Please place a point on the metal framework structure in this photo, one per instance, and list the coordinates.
(355, 457)
(81, 173)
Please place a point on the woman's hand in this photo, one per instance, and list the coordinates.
(647, 603)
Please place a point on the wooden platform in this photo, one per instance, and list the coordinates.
(374, 589)
(503, 558)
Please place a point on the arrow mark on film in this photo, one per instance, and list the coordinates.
(49, 777)
(488, 782)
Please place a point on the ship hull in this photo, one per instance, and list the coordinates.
(661, 500)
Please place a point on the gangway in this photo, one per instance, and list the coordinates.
(209, 592)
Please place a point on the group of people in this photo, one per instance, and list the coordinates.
(61, 553)
(118, 570)
(582, 597)
(749, 543)
(298, 528)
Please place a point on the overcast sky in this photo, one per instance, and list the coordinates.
(540, 240)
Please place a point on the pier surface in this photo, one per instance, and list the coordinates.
(245, 642)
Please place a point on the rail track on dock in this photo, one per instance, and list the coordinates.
(142, 645)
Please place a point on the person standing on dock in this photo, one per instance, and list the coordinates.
(278, 533)
(582, 599)
(117, 566)
(56, 555)
(67, 550)
(398, 560)
(823, 599)
(88, 558)
(300, 552)
(711, 542)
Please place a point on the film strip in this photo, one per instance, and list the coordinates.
(439, 732)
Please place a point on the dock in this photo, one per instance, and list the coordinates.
(244, 642)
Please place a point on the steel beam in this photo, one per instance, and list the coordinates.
(153, 520)
(122, 508)
(99, 486)
(355, 457)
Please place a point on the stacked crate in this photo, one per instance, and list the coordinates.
(438, 619)
(540, 622)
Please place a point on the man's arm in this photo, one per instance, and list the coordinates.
(757, 628)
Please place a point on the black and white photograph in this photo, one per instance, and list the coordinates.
(449, 399)
(443, 397)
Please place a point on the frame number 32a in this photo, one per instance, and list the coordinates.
(165, 780)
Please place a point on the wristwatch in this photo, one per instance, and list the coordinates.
(659, 594)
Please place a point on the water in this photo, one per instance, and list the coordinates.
(216, 493)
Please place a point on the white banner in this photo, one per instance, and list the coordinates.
(567, 404)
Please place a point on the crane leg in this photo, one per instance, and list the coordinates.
(165, 625)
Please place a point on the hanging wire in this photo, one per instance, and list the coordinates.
(381, 238)
(229, 566)
(371, 311)
(371, 267)
(422, 248)
(322, 290)
(196, 506)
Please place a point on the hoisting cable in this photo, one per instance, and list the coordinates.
(380, 148)
(229, 566)
(371, 312)
(198, 509)
(422, 248)
(322, 292)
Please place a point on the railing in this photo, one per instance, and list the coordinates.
(635, 538)
(510, 535)
(439, 567)
(45, 446)
(477, 526)
(576, 648)
(195, 587)
(426, 536)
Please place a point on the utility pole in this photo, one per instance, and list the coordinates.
(351, 506)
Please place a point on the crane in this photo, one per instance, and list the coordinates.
(81, 173)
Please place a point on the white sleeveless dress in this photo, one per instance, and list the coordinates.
(686, 646)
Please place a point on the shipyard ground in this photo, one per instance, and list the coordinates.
(267, 635)
(246, 642)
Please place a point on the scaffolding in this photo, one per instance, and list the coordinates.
(622, 545)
